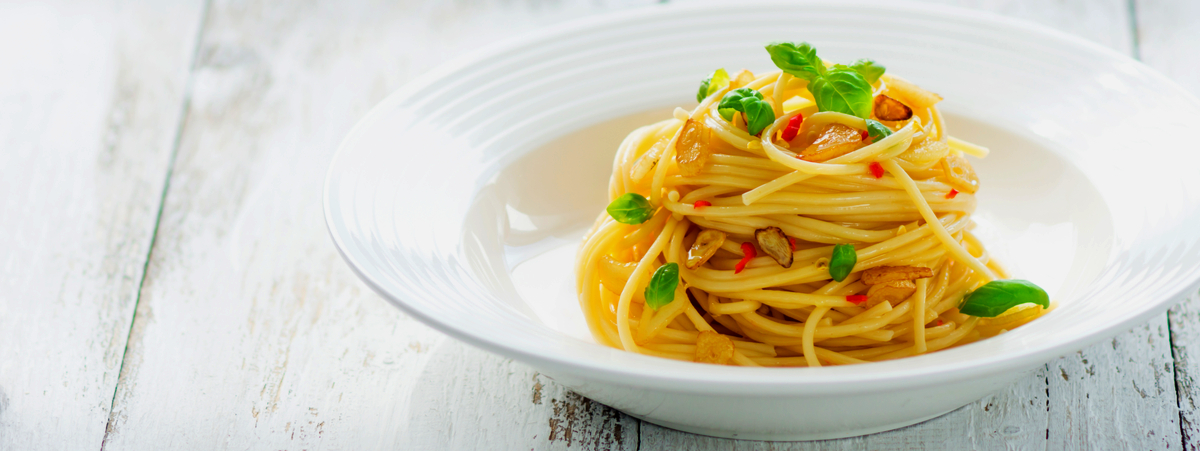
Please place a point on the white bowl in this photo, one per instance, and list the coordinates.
(463, 196)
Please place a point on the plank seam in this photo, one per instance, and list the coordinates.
(162, 200)
(1136, 45)
(1179, 390)
(638, 445)
(1180, 387)
(1046, 380)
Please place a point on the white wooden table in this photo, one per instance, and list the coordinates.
(168, 282)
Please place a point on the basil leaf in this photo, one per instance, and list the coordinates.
(630, 208)
(877, 131)
(759, 114)
(998, 296)
(732, 102)
(715, 82)
(799, 60)
(842, 90)
(661, 290)
(720, 80)
(843, 261)
(870, 70)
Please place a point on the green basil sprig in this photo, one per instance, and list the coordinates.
(843, 261)
(799, 60)
(715, 82)
(877, 131)
(841, 88)
(661, 290)
(759, 113)
(998, 296)
(630, 208)
(870, 70)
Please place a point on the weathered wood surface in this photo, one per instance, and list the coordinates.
(1185, 339)
(1169, 40)
(251, 333)
(91, 95)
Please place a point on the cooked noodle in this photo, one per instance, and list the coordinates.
(794, 316)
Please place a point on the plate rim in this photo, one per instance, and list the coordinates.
(825, 380)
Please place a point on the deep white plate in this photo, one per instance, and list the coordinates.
(462, 197)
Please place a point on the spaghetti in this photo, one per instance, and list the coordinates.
(777, 224)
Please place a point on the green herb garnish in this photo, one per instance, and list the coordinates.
(841, 88)
(630, 208)
(998, 296)
(798, 60)
(715, 82)
(869, 70)
(759, 113)
(877, 130)
(661, 290)
(842, 262)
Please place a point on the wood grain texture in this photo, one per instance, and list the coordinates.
(251, 332)
(91, 96)
(1116, 395)
(1169, 40)
(1106, 22)
(505, 405)
(1185, 339)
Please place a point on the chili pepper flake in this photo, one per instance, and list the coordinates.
(940, 322)
(750, 252)
(792, 243)
(876, 169)
(865, 135)
(953, 192)
(856, 299)
(702, 204)
(793, 127)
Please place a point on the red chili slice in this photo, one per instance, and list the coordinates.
(793, 127)
(953, 192)
(750, 252)
(856, 298)
(702, 203)
(876, 169)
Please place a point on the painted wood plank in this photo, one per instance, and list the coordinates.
(1169, 40)
(91, 98)
(505, 405)
(1116, 395)
(1105, 22)
(251, 332)
(1120, 395)
(1185, 340)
